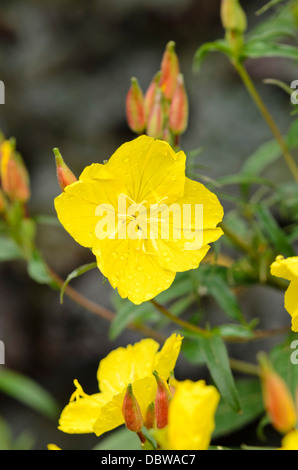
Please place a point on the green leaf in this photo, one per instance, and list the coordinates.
(28, 392)
(9, 250)
(250, 395)
(38, 270)
(213, 278)
(236, 331)
(220, 45)
(122, 439)
(265, 155)
(75, 273)
(255, 49)
(272, 230)
(217, 360)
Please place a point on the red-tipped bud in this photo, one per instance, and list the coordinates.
(178, 118)
(233, 16)
(156, 120)
(131, 411)
(150, 416)
(64, 174)
(135, 107)
(150, 94)
(162, 402)
(277, 398)
(169, 71)
(14, 175)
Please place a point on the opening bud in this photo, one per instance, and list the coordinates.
(150, 94)
(277, 398)
(135, 107)
(178, 118)
(150, 416)
(233, 16)
(162, 402)
(170, 69)
(156, 120)
(64, 174)
(14, 175)
(131, 411)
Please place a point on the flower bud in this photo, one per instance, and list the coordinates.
(131, 411)
(156, 120)
(14, 175)
(233, 16)
(64, 174)
(178, 117)
(169, 71)
(135, 107)
(278, 401)
(150, 416)
(150, 94)
(2, 202)
(162, 402)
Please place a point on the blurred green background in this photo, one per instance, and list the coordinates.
(66, 65)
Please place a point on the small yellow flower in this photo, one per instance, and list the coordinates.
(140, 247)
(191, 416)
(288, 269)
(290, 441)
(102, 412)
(53, 447)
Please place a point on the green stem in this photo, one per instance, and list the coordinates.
(267, 116)
(179, 321)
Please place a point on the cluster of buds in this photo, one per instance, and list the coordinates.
(278, 401)
(234, 21)
(157, 411)
(14, 178)
(162, 112)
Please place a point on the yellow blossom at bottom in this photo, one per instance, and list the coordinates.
(290, 441)
(102, 412)
(287, 268)
(191, 416)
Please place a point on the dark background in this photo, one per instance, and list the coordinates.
(66, 65)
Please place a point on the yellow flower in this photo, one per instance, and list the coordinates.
(191, 416)
(126, 211)
(134, 365)
(290, 441)
(53, 447)
(288, 269)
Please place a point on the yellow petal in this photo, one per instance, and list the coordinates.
(187, 228)
(290, 441)
(76, 207)
(79, 416)
(53, 447)
(291, 303)
(166, 359)
(135, 273)
(151, 168)
(286, 268)
(126, 365)
(191, 415)
(111, 416)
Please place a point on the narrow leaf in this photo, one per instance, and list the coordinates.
(75, 273)
(217, 360)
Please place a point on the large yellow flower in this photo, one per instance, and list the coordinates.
(134, 365)
(127, 211)
(288, 269)
(191, 416)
